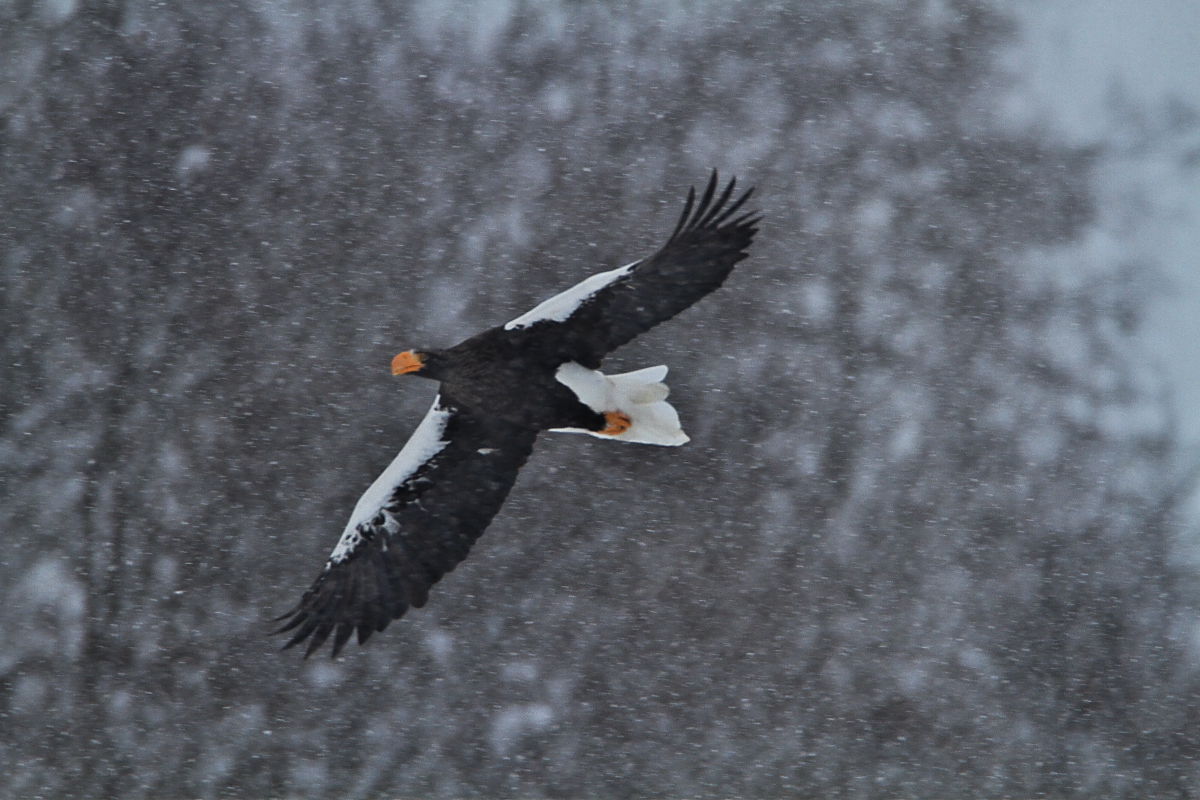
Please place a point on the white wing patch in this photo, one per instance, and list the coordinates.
(425, 443)
(563, 305)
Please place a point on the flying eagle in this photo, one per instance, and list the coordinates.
(497, 391)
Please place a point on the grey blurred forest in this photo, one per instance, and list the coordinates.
(920, 545)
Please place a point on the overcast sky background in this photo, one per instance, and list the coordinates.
(1074, 54)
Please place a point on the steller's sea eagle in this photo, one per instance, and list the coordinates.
(497, 391)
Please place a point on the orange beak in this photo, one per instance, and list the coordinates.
(406, 362)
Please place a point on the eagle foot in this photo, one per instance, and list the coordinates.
(618, 423)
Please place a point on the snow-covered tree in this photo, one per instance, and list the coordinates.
(917, 547)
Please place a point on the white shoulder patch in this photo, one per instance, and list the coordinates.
(425, 443)
(563, 305)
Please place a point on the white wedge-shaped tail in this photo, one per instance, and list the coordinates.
(641, 395)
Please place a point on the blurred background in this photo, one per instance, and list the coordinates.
(935, 533)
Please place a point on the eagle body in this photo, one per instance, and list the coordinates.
(496, 373)
(498, 390)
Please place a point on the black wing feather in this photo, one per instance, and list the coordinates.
(708, 241)
(426, 527)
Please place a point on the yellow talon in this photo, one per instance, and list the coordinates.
(618, 423)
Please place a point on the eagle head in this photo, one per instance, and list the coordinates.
(425, 363)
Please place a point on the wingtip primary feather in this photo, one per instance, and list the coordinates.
(705, 200)
(707, 220)
(341, 637)
(712, 211)
(687, 210)
(724, 216)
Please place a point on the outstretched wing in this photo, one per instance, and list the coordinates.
(414, 524)
(605, 311)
